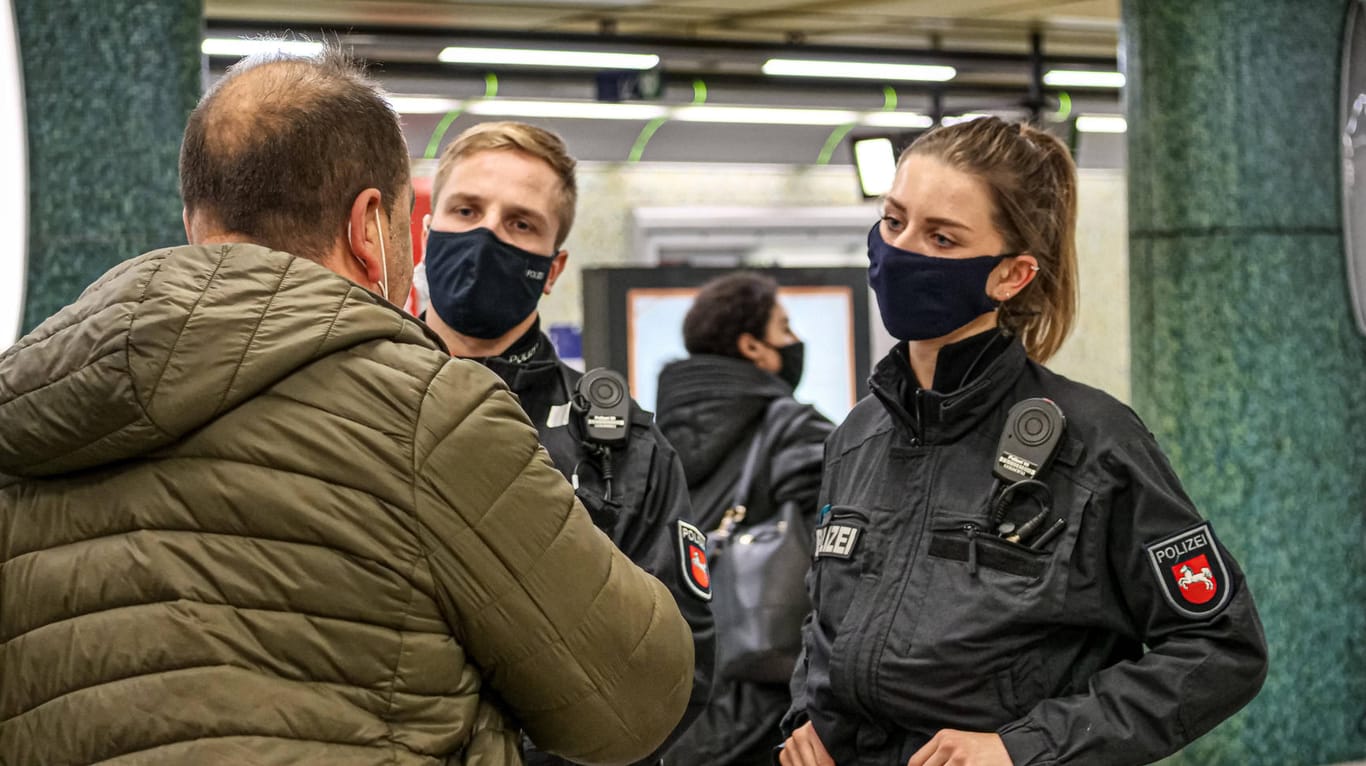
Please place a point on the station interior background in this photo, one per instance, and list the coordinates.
(1215, 297)
(771, 193)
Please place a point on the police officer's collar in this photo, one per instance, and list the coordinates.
(529, 365)
(987, 365)
(524, 348)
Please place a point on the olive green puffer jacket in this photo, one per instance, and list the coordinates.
(249, 514)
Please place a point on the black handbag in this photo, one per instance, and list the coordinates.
(758, 579)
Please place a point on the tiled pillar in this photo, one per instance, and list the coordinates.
(108, 87)
(1246, 360)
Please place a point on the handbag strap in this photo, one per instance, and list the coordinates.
(763, 435)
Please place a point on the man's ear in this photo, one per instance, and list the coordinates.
(557, 265)
(185, 219)
(749, 346)
(363, 238)
(1013, 275)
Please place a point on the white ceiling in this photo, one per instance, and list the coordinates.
(1069, 27)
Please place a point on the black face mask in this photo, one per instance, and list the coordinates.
(793, 357)
(481, 286)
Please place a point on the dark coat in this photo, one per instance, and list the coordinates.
(710, 408)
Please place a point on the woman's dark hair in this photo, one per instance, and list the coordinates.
(726, 308)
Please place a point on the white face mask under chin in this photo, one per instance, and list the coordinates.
(383, 256)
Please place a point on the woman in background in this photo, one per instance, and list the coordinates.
(1007, 571)
(744, 363)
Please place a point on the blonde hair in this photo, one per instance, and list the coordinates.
(1034, 182)
(518, 136)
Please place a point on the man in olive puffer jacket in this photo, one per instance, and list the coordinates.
(251, 513)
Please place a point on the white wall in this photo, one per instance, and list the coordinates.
(14, 190)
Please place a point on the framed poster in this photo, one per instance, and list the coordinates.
(633, 322)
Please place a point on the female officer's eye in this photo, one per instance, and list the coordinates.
(891, 223)
(941, 241)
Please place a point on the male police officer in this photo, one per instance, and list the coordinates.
(502, 205)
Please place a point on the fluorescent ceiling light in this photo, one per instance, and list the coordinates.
(1102, 123)
(599, 110)
(758, 115)
(226, 46)
(424, 104)
(534, 57)
(969, 117)
(896, 120)
(574, 110)
(858, 70)
(875, 161)
(1078, 78)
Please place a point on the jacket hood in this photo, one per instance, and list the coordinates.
(708, 404)
(166, 342)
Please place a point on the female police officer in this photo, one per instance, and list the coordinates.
(998, 544)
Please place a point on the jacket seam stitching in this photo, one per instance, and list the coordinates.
(336, 314)
(207, 533)
(172, 743)
(180, 334)
(225, 605)
(398, 660)
(255, 330)
(121, 679)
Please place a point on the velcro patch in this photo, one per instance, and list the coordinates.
(837, 540)
(1191, 572)
(692, 556)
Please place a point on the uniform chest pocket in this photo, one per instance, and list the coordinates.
(985, 589)
(842, 554)
(967, 543)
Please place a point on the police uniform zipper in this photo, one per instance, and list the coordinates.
(917, 438)
(971, 530)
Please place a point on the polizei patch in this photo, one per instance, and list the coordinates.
(1191, 572)
(836, 540)
(692, 554)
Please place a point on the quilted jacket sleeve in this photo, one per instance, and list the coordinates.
(587, 651)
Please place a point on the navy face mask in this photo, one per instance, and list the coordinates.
(921, 296)
(481, 286)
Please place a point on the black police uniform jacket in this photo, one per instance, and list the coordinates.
(649, 495)
(925, 619)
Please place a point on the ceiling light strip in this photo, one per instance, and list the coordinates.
(701, 113)
(1102, 123)
(532, 57)
(1081, 78)
(858, 70)
(240, 47)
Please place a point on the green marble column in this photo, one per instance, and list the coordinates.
(1247, 364)
(108, 87)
